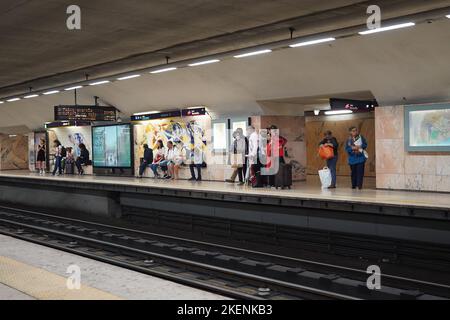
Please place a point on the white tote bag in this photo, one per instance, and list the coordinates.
(325, 177)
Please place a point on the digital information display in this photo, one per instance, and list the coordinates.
(86, 113)
(111, 146)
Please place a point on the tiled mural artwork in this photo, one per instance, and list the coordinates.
(399, 169)
(13, 152)
(190, 133)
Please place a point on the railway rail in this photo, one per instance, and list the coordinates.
(229, 271)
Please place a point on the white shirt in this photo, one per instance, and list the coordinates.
(253, 142)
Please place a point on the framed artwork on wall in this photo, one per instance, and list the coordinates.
(427, 128)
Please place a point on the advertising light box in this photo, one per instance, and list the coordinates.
(112, 146)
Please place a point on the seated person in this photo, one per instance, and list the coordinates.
(158, 159)
(83, 159)
(175, 160)
(147, 160)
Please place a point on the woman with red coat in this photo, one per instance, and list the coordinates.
(278, 142)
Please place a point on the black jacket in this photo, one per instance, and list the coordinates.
(148, 155)
(84, 156)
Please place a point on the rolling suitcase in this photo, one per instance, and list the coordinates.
(283, 178)
(70, 168)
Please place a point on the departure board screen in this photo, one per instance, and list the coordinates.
(86, 113)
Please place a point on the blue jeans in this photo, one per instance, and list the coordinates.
(58, 165)
(163, 164)
(331, 164)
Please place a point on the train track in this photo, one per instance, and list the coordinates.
(229, 271)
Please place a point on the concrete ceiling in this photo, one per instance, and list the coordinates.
(36, 42)
(38, 50)
(397, 67)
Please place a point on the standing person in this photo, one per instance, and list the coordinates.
(254, 163)
(57, 147)
(239, 151)
(40, 159)
(274, 151)
(356, 148)
(331, 141)
(146, 161)
(159, 156)
(83, 159)
(196, 164)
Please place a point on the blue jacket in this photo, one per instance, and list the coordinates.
(354, 157)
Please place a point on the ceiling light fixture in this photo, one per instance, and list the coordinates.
(13, 99)
(73, 88)
(144, 113)
(50, 92)
(254, 53)
(312, 42)
(1, 102)
(394, 27)
(448, 16)
(129, 77)
(99, 83)
(203, 62)
(164, 70)
(316, 112)
(31, 96)
(337, 112)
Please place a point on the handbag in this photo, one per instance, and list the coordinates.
(326, 152)
(236, 160)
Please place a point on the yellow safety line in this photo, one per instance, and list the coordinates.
(44, 285)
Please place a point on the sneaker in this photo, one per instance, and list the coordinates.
(229, 181)
(199, 179)
(192, 179)
(332, 187)
(168, 177)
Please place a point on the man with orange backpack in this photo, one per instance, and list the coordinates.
(329, 152)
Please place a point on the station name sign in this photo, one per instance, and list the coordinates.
(170, 114)
(72, 123)
(353, 105)
(84, 113)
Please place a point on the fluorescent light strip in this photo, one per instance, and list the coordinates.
(336, 112)
(50, 92)
(254, 53)
(448, 16)
(394, 27)
(99, 83)
(73, 88)
(164, 70)
(129, 77)
(309, 43)
(144, 113)
(1, 102)
(31, 96)
(203, 62)
(13, 99)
